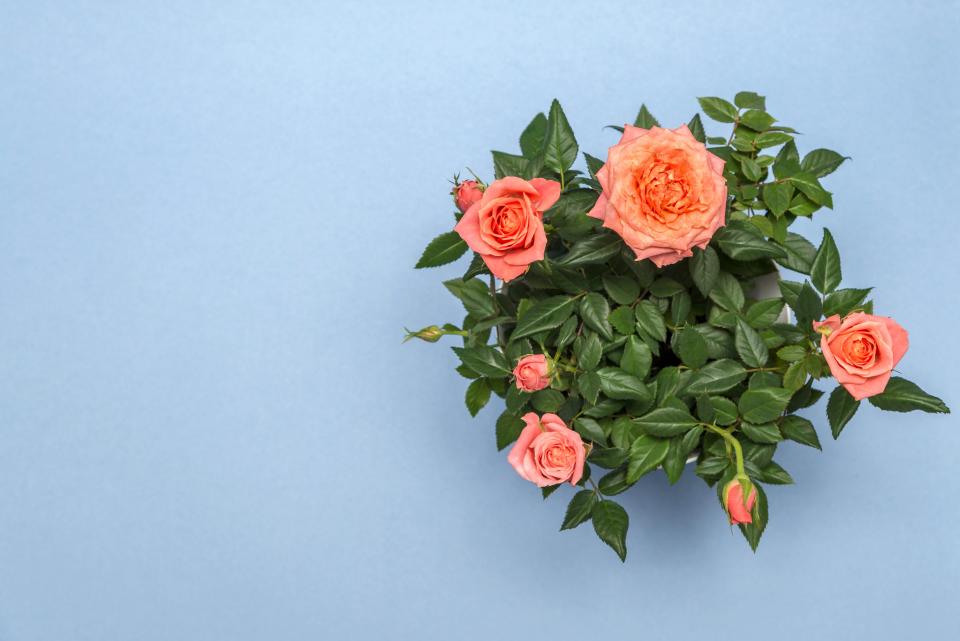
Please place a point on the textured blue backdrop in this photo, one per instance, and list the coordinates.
(209, 429)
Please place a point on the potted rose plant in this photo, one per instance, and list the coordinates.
(616, 310)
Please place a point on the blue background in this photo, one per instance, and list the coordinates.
(209, 429)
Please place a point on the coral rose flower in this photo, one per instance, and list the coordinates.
(663, 192)
(532, 373)
(862, 350)
(738, 509)
(547, 452)
(505, 226)
(467, 193)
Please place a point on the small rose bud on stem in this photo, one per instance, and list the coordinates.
(432, 333)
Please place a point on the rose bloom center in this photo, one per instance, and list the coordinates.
(860, 350)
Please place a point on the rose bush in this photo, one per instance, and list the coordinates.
(613, 310)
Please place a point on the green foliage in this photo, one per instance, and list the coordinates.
(652, 365)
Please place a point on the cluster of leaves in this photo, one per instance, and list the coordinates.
(658, 366)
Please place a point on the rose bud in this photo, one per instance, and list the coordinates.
(862, 351)
(467, 193)
(430, 334)
(533, 372)
(548, 452)
(738, 509)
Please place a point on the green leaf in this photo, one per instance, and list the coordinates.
(560, 145)
(617, 384)
(579, 509)
(567, 332)
(811, 188)
(844, 301)
(840, 409)
(901, 395)
(505, 164)
(763, 433)
(675, 461)
(753, 531)
(484, 360)
(718, 109)
(474, 294)
(825, 272)
(608, 457)
(622, 289)
(728, 293)
(478, 394)
(590, 430)
(595, 310)
(724, 410)
(777, 197)
(763, 405)
(645, 119)
(757, 119)
(704, 269)
(665, 422)
(795, 377)
(594, 164)
(594, 250)
(787, 162)
(636, 358)
(589, 386)
(740, 244)
(792, 353)
(821, 162)
(800, 253)
(591, 351)
(622, 319)
(715, 377)
(774, 474)
(543, 315)
(666, 287)
(547, 400)
(751, 348)
(508, 429)
(533, 137)
(750, 100)
(800, 430)
(692, 348)
(443, 249)
(764, 312)
(808, 307)
(771, 139)
(650, 320)
(610, 521)
(696, 128)
(646, 454)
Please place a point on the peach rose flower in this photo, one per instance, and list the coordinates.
(467, 193)
(738, 509)
(663, 192)
(505, 226)
(547, 451)
(862, 350)
(532, 373)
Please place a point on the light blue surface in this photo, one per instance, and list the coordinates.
(208, 426)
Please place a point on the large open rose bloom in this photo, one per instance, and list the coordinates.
(663, 192)
(862, 350)
(547, 452)
(505, 226)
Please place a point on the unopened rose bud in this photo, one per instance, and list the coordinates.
(533, 372)
(430, 334)
(467, 193)
(738, 509)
